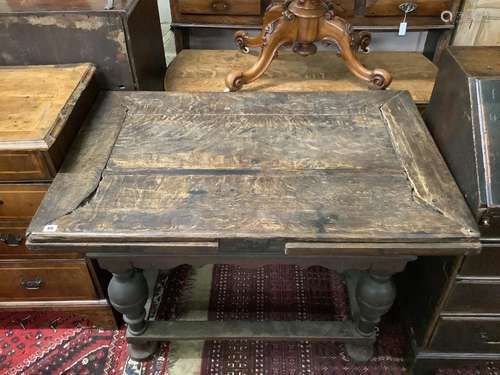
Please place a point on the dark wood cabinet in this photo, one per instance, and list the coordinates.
(463, 325)
(125, 42)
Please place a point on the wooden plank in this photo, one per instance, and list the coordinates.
(36, 102)
(80, 174)
(237, 330)
(329, 249)
(205, 70)
(430, 180)
(316, 206)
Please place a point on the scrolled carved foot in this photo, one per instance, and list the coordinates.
(381, 79)
(235, 81)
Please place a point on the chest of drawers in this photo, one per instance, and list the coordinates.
(464, 326)
(41, 109)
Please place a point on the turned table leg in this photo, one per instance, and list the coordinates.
(375, 294)
(128, 293)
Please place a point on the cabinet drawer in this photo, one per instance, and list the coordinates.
(227, 7)
(19, 251)
(45, 280)
(474, 296)
(391, 7)
(486, 264)
(475, 335)
(20, 201)
(23, 166)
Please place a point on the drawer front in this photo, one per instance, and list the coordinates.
(15, 251)
(45, 280)
(20, 201)
(474, 296)
(486, 264)
(475, 335)
(225, 7)
(391, 7)
(23, 166)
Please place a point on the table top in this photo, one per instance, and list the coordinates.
(195, 70)
(36, 101)
(177, 170)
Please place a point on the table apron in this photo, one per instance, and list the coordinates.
(117, 262)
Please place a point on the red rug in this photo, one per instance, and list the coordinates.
(43, 343)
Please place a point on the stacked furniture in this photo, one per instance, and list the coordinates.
(41, 110)
(459, 298)
(435, 16)
(122, 38)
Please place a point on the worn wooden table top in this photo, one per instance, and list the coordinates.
(196, 70)
(183, 171)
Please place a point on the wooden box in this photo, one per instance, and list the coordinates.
(125, 42)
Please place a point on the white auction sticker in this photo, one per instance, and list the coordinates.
(50, 228)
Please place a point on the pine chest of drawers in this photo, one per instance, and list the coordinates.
(41, 110)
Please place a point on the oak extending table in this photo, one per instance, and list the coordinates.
(351, 181)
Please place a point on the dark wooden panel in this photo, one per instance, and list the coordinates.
(86, 32)
(228, 7)
(51, 39)
(422, 289)
(45, 280)
(145, 45)
(474, 335)
(474, 296)
(487, 264)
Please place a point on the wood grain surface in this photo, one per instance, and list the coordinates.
(332, 167)
(35, 102)
(205, 70)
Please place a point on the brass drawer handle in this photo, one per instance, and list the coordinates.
(34, 284)
(220, 6)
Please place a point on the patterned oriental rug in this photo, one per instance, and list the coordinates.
(48, 344)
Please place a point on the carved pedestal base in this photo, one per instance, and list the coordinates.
(301, 23)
